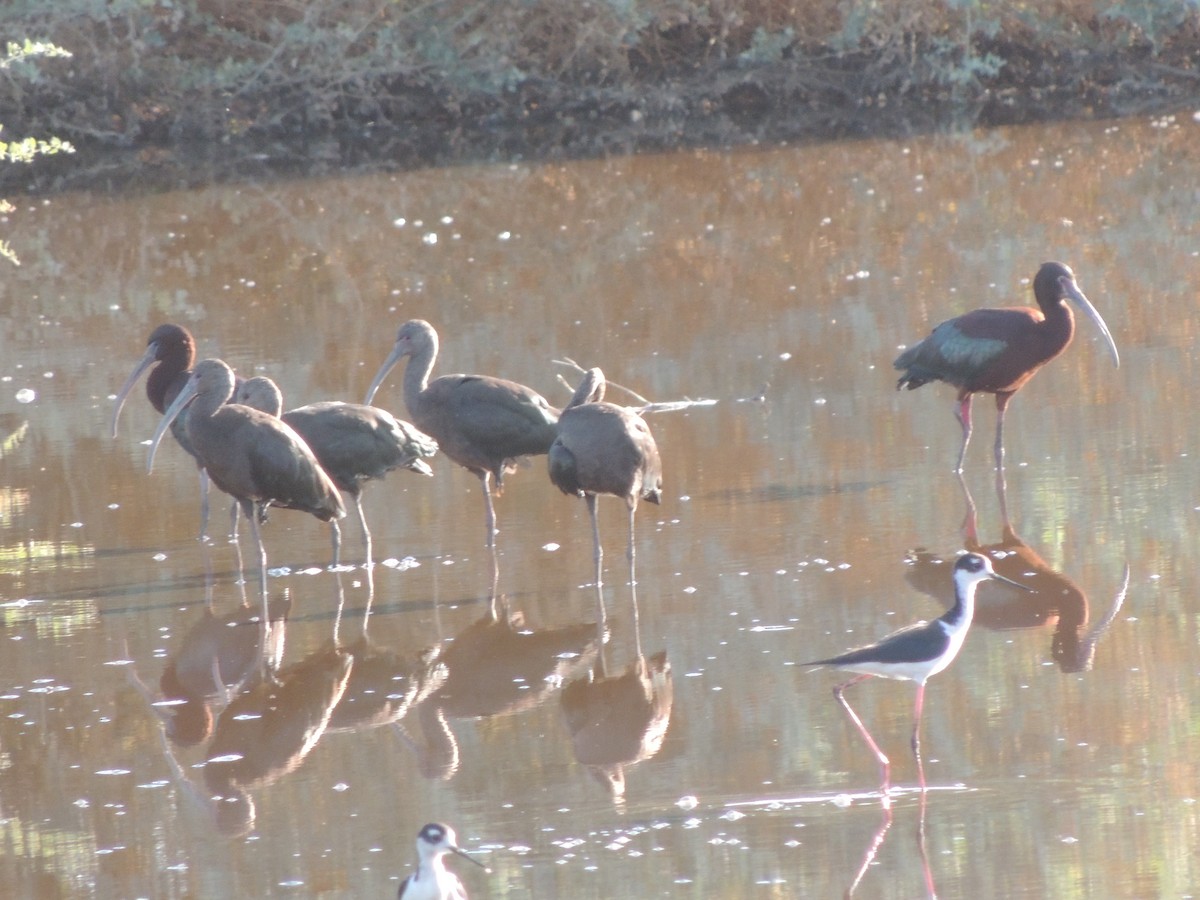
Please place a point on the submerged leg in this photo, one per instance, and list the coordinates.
(884, 764)
(963, 413)
(597, 550)
(998, 450)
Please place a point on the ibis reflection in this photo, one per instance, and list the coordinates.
(1053, 597)
(618, 720)
(496, 666)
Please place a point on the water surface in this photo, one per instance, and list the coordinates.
(1059, 747)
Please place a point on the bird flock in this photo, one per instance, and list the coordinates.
(306, 458)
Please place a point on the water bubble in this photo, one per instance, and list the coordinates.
(26, 395)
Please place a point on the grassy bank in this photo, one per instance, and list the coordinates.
(419, 81)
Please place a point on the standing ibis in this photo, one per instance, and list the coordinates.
(995, 351)
(353, 443)
(251, 455)
(916, 653)
(602, 448)
(174, 350)
(432, 880)
(480, 422)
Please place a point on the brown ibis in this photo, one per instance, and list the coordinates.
(173, 348)
(480, 422)
(251, 455)
(353, 443)
(602, 448)
(995, 351)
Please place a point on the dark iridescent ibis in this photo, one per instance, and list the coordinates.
(916, 653)
(602, 448)
(995, 351)
(353, 443)
(173, 348)
(251, 455)
(432, 880)
(480, 422)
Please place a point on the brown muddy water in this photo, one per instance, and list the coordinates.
(1060, 747)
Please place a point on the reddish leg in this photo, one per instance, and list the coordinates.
(884, 764)
(916, 735)
(998, 450)
(964, 417)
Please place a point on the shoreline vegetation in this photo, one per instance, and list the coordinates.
(169, 93)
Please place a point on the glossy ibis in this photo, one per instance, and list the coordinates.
(602, 448)
(915, 653)
(251, 455)
(432, 880)
(480, 422)
(173, 348)
(995, 351)
(353, 443)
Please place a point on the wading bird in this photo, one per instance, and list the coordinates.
(432, 880)
(353, 443)
(480, 422)
(915, 653)
(602, 448)
(250, 455)
(995, 351)
(173, 348)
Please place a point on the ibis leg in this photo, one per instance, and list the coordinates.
(233, 522)
(251, 512)
(203, 505)
(998, 450)
(631, 552)
(597, 550)
(884, 764)
(336, 531)
(485, 481)
(964, 417)
(366, 532)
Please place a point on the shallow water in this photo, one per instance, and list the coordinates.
(1058, 746)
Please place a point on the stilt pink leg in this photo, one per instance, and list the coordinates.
(964, 417)
(916, 735)
(998, 450)
(884, 764)
(872, 848)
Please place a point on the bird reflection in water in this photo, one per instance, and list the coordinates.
(880, 836)
(219, 655)
(385, 683)
(496, 666)
(266, 732)
(619, 720)
(1053, 595)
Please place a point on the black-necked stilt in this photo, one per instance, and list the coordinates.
(915, 653)
(432, 880)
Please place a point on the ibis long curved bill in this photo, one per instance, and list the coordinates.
(148, 359)
(184, 397)
(1085, 305)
